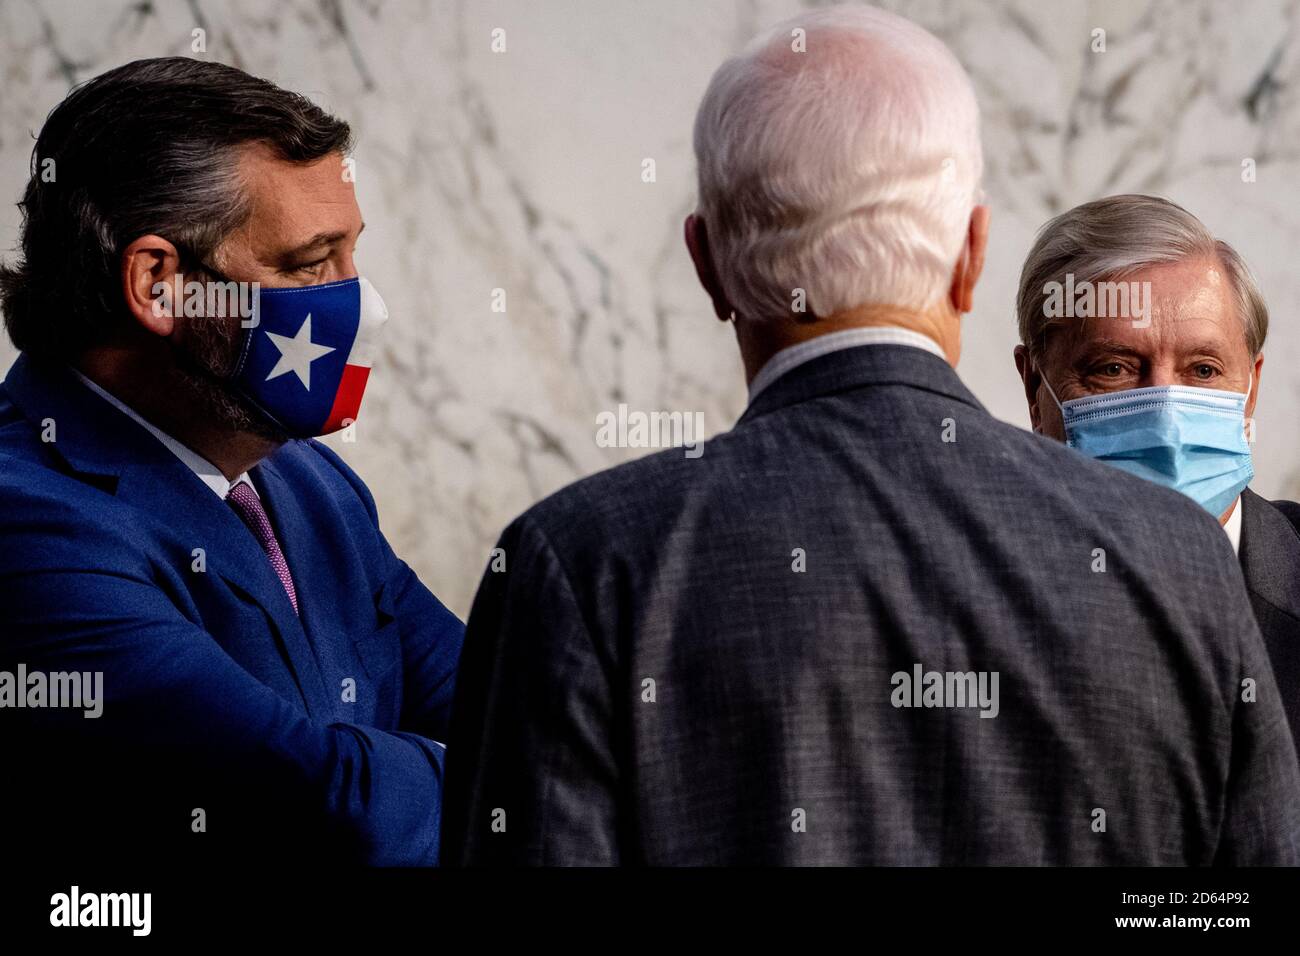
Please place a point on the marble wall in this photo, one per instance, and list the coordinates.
(522, 171)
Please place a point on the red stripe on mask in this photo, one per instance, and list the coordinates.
(348, 400)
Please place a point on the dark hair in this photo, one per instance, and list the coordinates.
(149, 147)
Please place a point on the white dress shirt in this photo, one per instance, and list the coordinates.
(207, 472)
(1233, 527)
(794, 356)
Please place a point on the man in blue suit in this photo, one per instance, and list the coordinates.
(207, 647)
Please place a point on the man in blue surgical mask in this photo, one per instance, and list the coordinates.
(1142, 345)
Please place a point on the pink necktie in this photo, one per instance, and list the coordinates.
(248, 506)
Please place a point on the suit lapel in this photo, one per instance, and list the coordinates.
(308, 552)
(236, 555)
(1270, 553)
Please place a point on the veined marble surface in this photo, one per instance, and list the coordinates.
(522, 171)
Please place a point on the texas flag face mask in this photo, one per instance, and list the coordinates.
(306, 359)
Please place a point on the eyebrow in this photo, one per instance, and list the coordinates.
(1202, 348)
(1108, 345)
(321, 239)
(1103, 346)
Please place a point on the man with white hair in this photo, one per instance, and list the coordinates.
(870, 624)
(1165, 388)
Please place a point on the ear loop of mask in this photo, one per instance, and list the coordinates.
(1048, 385)
(1250, 384)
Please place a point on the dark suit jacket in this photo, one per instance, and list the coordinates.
(1270, 560)
(115, 557)
(651, 680)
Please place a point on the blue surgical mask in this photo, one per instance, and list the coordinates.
(1186, 438)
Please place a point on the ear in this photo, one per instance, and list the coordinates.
(971, 261)
(697, 243)
(149, 267)
(1032, 381)
(1254, 386)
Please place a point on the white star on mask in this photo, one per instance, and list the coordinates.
(297, 353)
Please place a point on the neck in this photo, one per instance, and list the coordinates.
(1227, 515)
(759, 341)
(135, 381)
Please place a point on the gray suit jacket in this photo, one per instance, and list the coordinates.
(1270, 560)
(697, 661)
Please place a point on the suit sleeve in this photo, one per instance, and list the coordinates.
(532, 773)
(1261, 824)
(431, 635)
(431, 643)
(169, 690)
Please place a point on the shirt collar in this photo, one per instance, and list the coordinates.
(796, 355)
(1233, 527)
(207, 472)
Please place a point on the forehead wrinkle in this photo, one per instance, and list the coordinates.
(283, 200)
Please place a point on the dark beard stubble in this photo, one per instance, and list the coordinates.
(205, 358)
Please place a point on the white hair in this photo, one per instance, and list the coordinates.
(848, 171)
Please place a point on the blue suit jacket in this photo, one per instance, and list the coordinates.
(315, 734)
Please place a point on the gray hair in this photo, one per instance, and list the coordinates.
(847, 170)
(1110, 238)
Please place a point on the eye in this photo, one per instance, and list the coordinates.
(1110, 370)
(309, 268)
(1205, 372)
